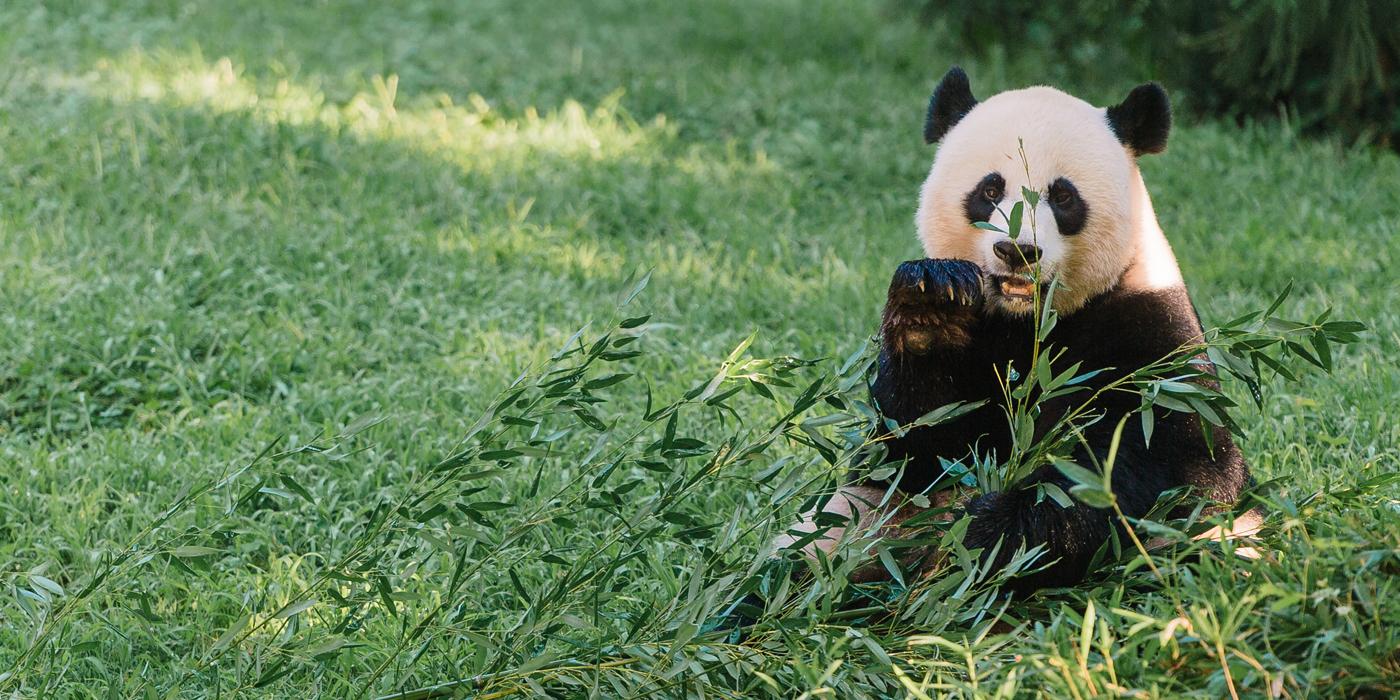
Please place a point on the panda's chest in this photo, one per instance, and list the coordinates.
(1112, 336)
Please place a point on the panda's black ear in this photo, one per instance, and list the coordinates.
(951, 101)
(1143, 120)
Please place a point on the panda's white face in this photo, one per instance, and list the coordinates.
(1087, 226)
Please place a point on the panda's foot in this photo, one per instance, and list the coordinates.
(931, 303)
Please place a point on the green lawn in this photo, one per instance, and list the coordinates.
(334, 232)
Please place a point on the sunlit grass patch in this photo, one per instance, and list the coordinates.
(473, 134)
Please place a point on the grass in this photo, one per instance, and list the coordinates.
(331, 235)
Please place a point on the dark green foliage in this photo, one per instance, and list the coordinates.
(1331, 65)
(405, 581)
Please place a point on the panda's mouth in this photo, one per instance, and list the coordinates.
(1015, 287)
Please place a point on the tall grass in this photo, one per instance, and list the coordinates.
(627, 516)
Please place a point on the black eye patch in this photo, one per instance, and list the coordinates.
(1070, 209)
(982, 200)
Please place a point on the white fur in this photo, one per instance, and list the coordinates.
(1243, 530)
(1062, 136)
(874, 514)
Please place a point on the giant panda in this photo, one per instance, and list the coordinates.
(954, 321)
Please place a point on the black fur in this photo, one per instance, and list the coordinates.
(1071, 211)
(951, 101)
(1122, 329)
(933, 302)
(1143, 120)
(977, 204)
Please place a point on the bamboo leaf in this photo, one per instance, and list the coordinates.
(1278, 301)
(892, 566)
(1079, 475)
(232, 633)
(190, 551)
(294, 609)
(1092, 496)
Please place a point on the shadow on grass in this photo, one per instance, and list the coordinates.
(198, 241)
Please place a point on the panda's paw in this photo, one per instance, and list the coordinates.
(931, 303)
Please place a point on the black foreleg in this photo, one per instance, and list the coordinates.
(930, 357)
(1024, 519)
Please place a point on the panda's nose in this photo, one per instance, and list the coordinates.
(1016, 255)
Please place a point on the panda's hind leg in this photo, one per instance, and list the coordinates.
(1242, 531)
(871, 514)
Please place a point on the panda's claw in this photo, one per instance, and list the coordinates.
(960, 280)
(918, 317)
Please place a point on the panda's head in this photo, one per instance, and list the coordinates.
(1093, 221)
